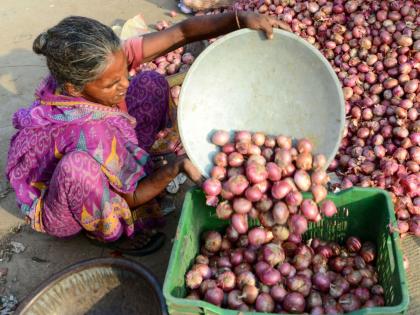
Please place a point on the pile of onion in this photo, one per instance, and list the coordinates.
(252, 272)
(263, 177)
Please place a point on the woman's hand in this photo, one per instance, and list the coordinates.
(192, 172)
(204, 27)
(261, 23)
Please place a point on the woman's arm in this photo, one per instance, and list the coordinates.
(205, 27)
(152, 185)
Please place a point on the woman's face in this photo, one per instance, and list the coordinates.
(111, 86)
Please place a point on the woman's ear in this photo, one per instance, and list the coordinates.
(72, 90)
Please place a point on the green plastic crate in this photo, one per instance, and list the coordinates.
(363, 212)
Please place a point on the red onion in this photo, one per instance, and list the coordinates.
(235, 159)
(233, 299)
(240, 222)
(232, 234)
(212, 241)
(214, 296)
(237, 184)
(200, 259)
(264, 303)
(294, 198)
(304, 161)
(337, 264)
(314, 300)
(280, 212)
(321, 281)
(353, 244)
(212, 187)
(257, 236)
(245, 278)
(220, 138)
(309, 209)
(207, 284)
(368, 251)
(328, 208)
(294, 303)
(220, 159)
(242, 205)
(270, 276)
(282, 157)
(193, 279)
(258, 138)
(256, 173)
(203, 269)
(242, 136)
(298, 224)
(266, 219)
(284, 142)
(302, 180)
(319, 161)
(226, 281)
(349, 302)
(280, 189)
(280, 232)
(218, 173)
(228, 148)
(236, 257)
(274, 172)
(264, 204)
(249, 294)
(319, 192)
(273, 254)
(304, 145)
(270, 142)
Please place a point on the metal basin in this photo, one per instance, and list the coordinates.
(245, 82)
(97, 286)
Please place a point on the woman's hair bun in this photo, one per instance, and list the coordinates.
(40, 43)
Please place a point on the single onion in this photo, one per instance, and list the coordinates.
(249, 294)
(212, 187)
(298, 224)
(220, 138)
(304, 145)
(257, 236)
(280, 212)
(294, 303)
(258, 138)
(224, 210)
(309, 209)
(264, 303)
(280, 189)
(240, 223)
(212, 241)
(242, 205)
(214, 296)
(328, 208)
(302, 180)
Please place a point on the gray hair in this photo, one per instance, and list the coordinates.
(77, 49)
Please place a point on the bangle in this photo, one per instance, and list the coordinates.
(237, 19)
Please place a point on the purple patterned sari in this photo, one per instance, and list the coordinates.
(71, 159)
